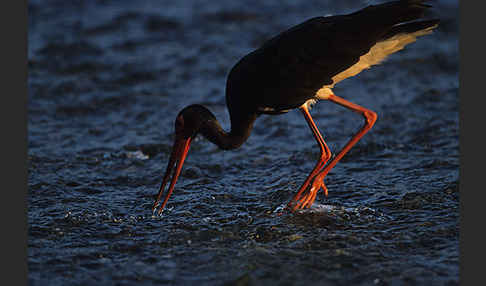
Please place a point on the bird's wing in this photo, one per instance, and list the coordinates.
(325, 50)
(383, 48)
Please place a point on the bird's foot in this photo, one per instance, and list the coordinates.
(319, 184)
(309, 197)
(154, 208)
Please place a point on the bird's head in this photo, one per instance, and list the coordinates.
(189, 122)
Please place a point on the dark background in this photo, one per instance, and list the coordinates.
(105, 82)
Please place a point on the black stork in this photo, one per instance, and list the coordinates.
(294, 70)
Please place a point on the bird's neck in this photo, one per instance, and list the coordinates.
(240, 131)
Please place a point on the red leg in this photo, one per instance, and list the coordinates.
(325, 155)
(370, 118)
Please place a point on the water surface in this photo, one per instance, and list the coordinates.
(106, 80)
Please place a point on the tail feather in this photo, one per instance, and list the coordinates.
(395, 12)
(409, 28)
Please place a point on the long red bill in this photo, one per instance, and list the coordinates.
(179, 153)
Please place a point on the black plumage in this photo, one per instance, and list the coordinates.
(295, 67)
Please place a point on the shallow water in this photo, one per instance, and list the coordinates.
(106, 80)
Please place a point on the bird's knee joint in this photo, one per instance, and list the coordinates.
(325, 156)
(370, 117)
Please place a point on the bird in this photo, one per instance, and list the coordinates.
(294, 70)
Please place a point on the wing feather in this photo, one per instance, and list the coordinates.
(295, 65)
(380, 51)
